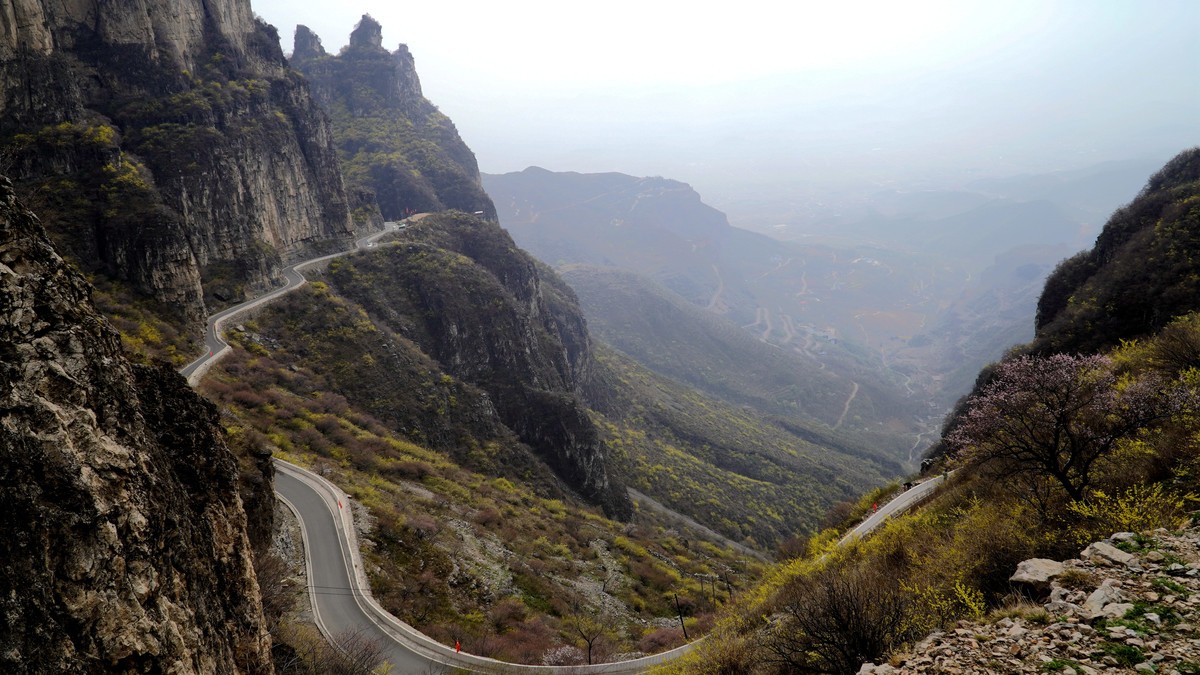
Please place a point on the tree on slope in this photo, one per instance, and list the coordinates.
(1059, 417)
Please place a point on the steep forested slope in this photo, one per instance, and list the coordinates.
(460, 289)
(1141, 273)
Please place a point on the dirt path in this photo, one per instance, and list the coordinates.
(645, 501)
(717, 302)
(789, 329)
(846, 407)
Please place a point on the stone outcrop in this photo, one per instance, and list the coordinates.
(1139, 614)
(190, 151)
(409, 154)
(123, 538)
(176, 32)
(1037, 573)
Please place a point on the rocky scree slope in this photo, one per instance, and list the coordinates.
(391, 139)
(124, 540)
(168, 144)
(1127, 604)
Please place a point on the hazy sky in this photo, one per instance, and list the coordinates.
(755, 92)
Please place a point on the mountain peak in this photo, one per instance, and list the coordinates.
(307, 44)
(368, 34)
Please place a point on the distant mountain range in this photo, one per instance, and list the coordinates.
(893, 308)
(797, 302)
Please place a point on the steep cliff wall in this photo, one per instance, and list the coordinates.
(392, 140)
(123, 539)
(166, 142)
(458, 287)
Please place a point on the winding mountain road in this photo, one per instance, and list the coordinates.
(217, 347)
(338, 589)
(903, 501)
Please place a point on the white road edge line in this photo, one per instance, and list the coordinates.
(403, 634)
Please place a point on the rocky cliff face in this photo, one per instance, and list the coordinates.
(459, 287)
(391, 138)
(167, 143)
(123, 539)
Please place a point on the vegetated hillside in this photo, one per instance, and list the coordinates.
(124, 541)
(833, 306)
(390, 138)
(754, 478)
(693, 346)
(458, 287)
(1055, 450)
(472, 537)
(1140, 274)
(505, 563)
(452, 337)
(168, 146)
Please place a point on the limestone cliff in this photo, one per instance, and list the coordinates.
(123, 538)
(392, 140)
(167, 142)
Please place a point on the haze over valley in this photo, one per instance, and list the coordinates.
(927, 166)
(623, 337)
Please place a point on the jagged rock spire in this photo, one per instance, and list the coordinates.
(307, 44)
(368, 34)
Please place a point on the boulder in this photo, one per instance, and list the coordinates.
(1037, 572)
(1116, 610)
(1063, 608)
(1103, 553)
(1107, 594)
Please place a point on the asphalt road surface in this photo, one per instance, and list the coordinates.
(341, 606)
(337, 599)
(901, 503)
(215, 347)
(341, 603)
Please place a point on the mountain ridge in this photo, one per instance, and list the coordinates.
(392, 140)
